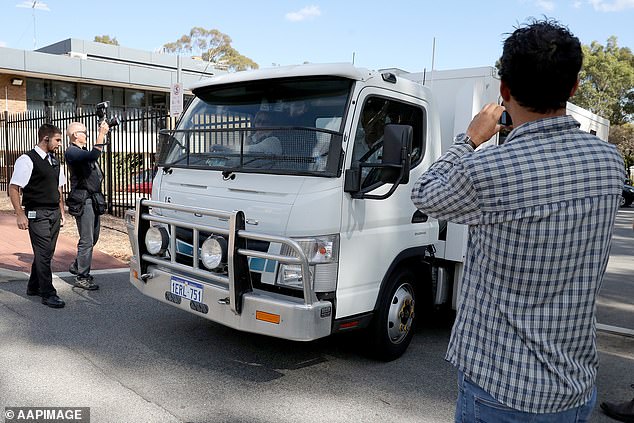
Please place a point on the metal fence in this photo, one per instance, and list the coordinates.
(128, 162)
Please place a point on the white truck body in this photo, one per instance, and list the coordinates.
(368, 263)
(460, 94)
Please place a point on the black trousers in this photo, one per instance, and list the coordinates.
(43, 231)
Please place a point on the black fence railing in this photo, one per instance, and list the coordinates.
(128, 162)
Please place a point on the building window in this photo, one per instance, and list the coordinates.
(38, 94)
(64, 94)
(43, 93)
(91, 95)
(134, 98)
(114, 96)
(158, 100)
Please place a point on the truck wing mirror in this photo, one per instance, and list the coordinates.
(352, 180)
(393, 169)
(397, 149)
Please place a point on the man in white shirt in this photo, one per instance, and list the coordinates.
(39, 176)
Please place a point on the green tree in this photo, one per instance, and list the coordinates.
(606, 81)
(213, 46)
(623, 137)
(106, 39)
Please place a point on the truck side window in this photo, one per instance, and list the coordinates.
(369, 137)
(368, 143)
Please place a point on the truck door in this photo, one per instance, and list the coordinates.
(374, 232)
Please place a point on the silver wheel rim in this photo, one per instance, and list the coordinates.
(401, 313)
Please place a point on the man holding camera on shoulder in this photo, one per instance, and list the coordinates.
(85, 200)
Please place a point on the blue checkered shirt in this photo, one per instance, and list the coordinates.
(540, 210)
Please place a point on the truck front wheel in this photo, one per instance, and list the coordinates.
(393, 325)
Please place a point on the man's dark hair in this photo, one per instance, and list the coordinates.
(47, 130)
(540, 64)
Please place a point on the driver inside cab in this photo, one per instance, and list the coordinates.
(262, 140)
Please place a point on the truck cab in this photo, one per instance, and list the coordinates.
(282, 206)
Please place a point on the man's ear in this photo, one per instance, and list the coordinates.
(574, 88)
(505, 92)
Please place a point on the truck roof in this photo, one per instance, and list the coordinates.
(379, 78)
(345, 70)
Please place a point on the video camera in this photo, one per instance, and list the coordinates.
(102, 115)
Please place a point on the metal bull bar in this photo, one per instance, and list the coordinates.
(237, 281)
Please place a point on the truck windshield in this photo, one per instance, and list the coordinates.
(267, 126)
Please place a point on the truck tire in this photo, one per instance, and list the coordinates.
(392, 328)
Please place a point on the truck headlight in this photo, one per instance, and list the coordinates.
(323, 256)
(291, 276)
(156, 240)
(213, 252)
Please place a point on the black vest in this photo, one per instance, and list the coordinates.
(42, 190)
(85, 174)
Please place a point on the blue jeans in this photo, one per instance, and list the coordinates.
(476, 406)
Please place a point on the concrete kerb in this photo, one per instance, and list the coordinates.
(13, 275)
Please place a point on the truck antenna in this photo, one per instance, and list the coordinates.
(433, 58)
(353, 57)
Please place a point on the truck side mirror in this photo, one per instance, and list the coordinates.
(397, 148)
(352, 180)
(393, 169)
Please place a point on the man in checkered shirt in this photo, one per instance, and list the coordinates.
(540, 210)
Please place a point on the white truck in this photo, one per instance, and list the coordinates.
(282, 202)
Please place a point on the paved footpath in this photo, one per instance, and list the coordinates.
(16, 253)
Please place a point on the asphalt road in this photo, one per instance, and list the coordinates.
(132, 359)
(615, 305)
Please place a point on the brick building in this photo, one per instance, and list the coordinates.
(14, 95)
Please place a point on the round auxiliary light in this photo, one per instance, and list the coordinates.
(213, 252)
(156, 240)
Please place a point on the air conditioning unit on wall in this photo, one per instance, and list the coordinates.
(83, 56)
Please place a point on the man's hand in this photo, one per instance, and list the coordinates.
(23, 222)
(485, 124)
(103, 131)
(103, 128)
(14, 195)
